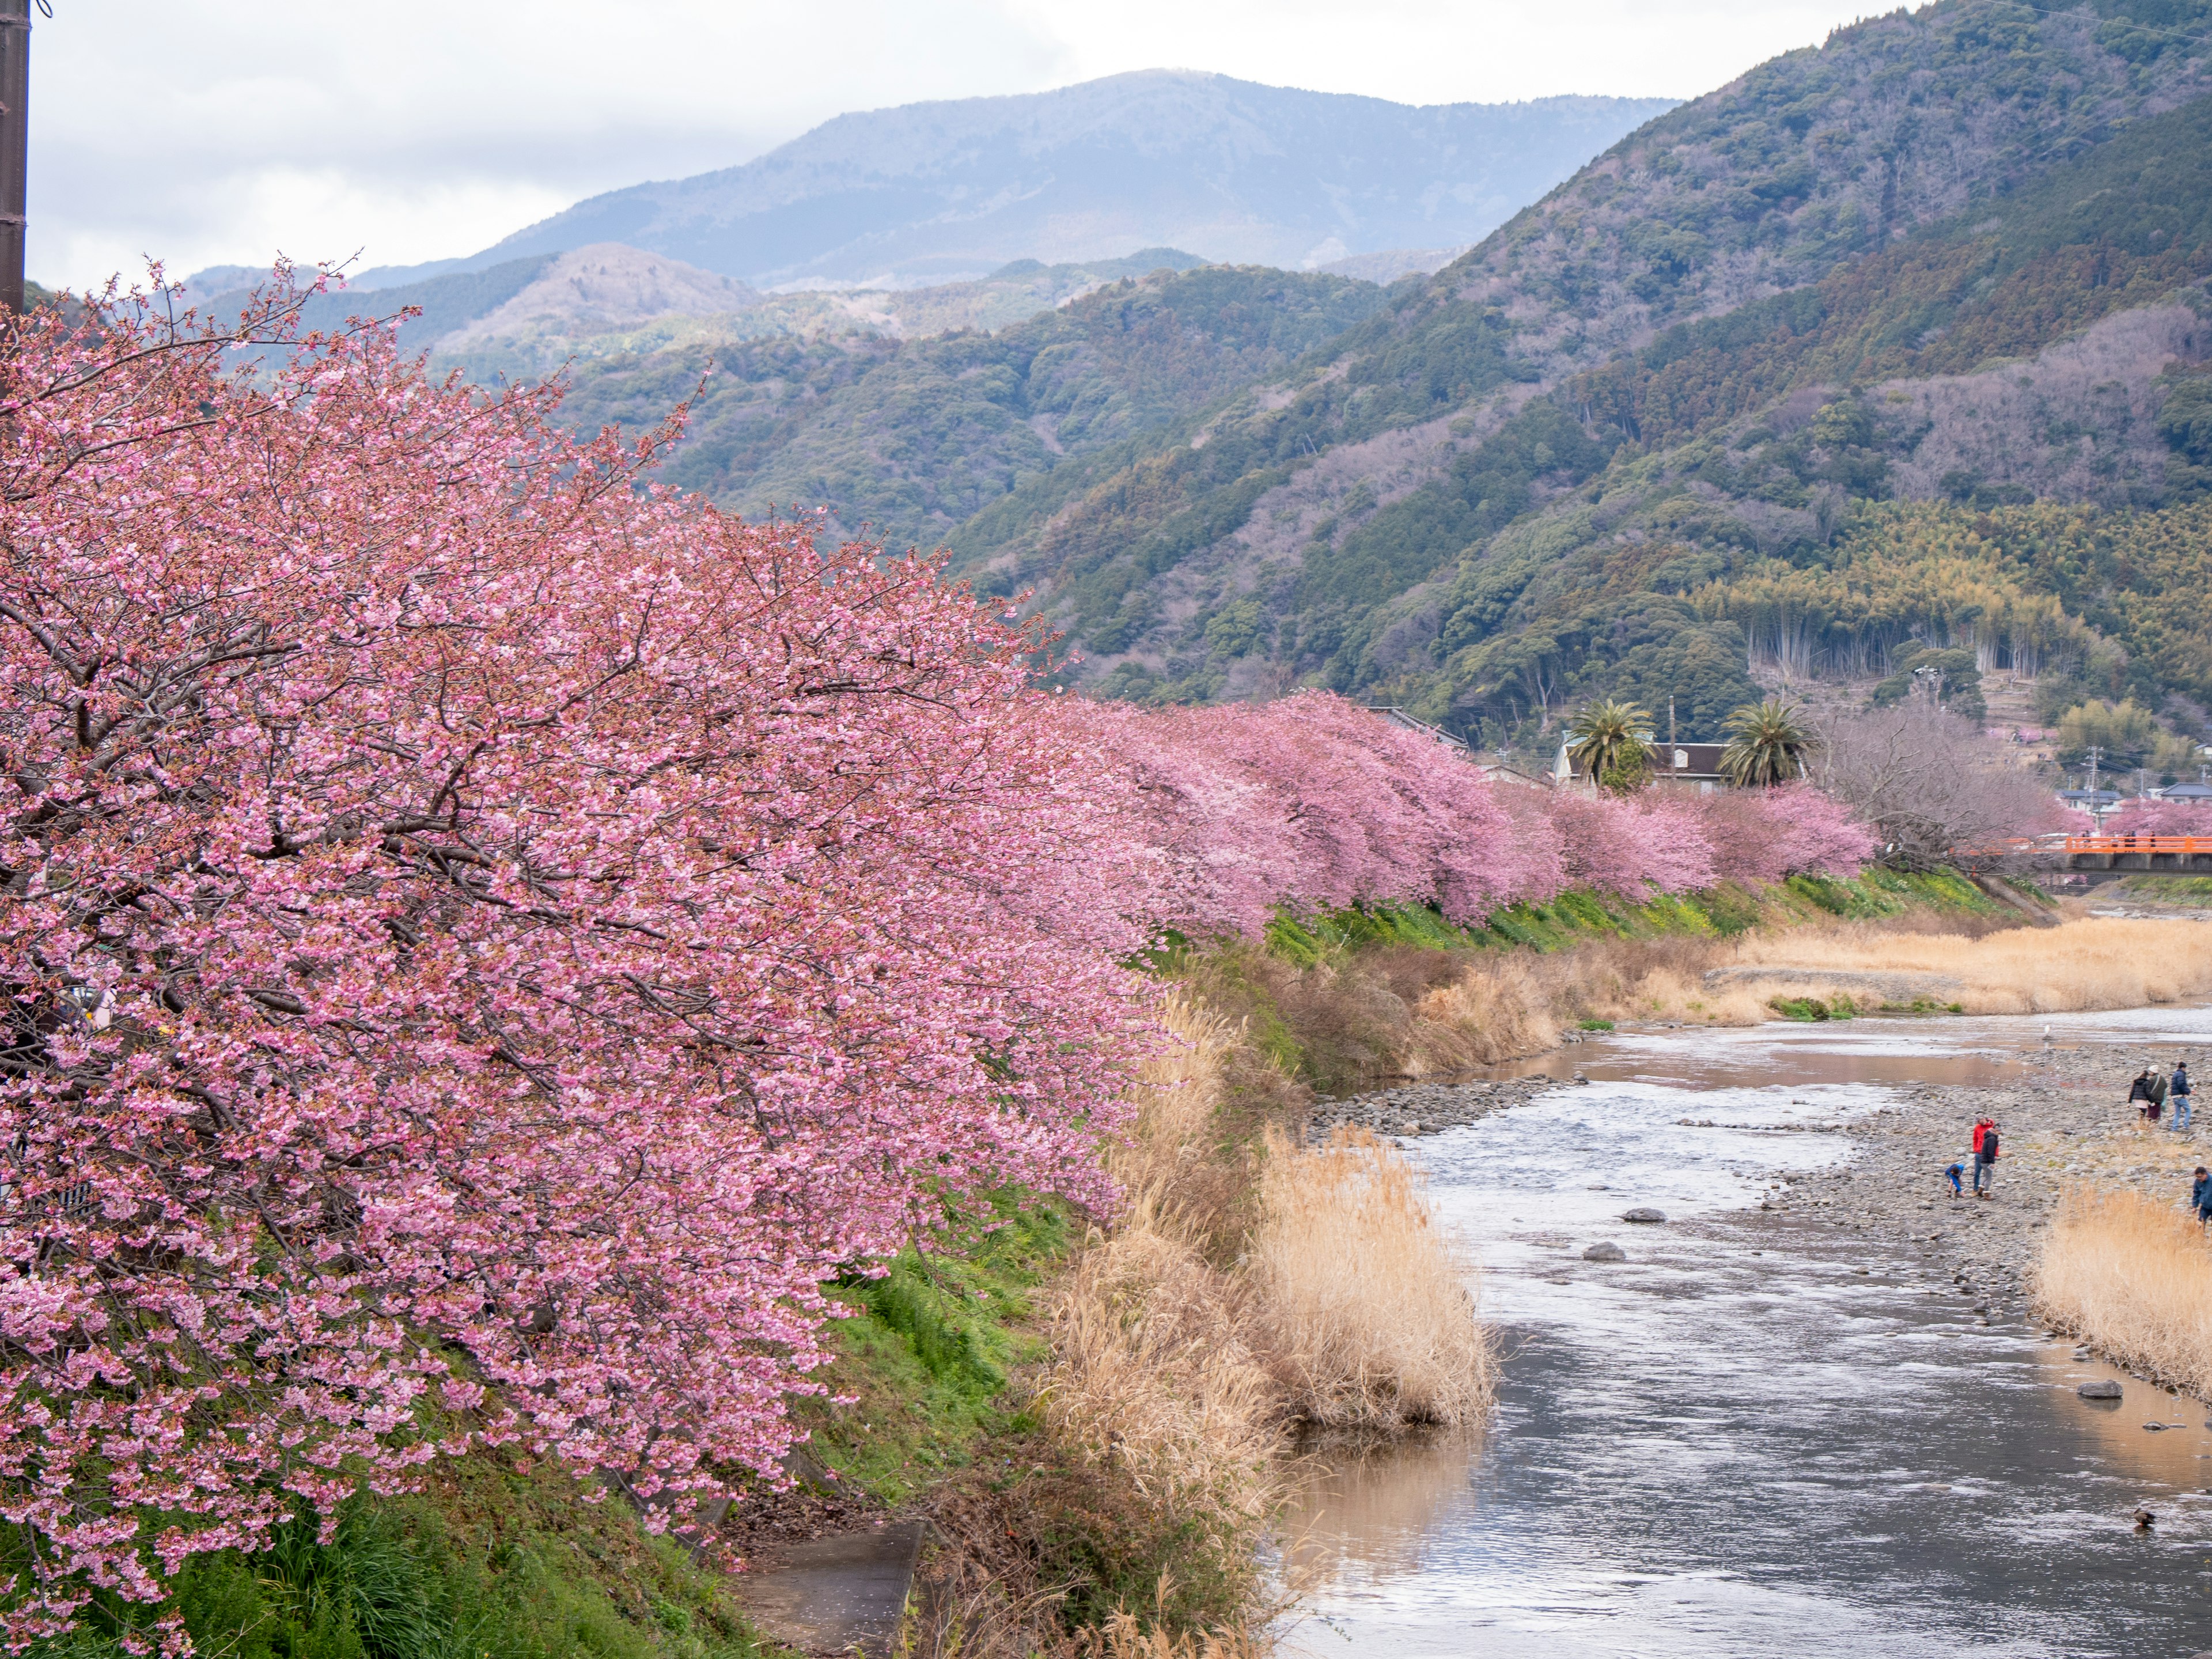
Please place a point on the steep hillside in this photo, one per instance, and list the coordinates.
(916, 439)
(945, 192)
(1863, 212)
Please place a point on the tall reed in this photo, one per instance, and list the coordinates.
(1368, 1309)
(2101, 962)
(1155, 1371)
(2134, 1277)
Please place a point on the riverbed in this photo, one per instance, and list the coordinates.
(1808, 1411)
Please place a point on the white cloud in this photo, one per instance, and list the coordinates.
(201, 132)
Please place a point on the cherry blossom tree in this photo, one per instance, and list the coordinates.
(1765, 834)
(1629, 844)
(484, 941)
(2154, 817)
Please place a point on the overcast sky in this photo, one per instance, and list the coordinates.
(207, 131)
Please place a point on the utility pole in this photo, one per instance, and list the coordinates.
(15, 146)
(2095, 755)
(1671, 765)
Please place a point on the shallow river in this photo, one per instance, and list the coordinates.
(1755, 1439)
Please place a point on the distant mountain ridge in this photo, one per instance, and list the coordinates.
(1235, 171)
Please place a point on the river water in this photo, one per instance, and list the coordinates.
(1755, 1436)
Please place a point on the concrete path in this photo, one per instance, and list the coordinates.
(840, 1595)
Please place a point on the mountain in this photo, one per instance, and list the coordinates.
(1898, 346)
(530, 317)
(912, 440)
(1239, 172)
(598, 290)
(1952, 256)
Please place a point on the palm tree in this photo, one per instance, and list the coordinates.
(1767, 745)
(1611, 739)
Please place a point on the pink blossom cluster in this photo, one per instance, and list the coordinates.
(2152, 817)
(1315, 803)
(483, 942)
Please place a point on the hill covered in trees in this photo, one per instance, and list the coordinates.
(1897, 344)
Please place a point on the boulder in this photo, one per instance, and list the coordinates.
(1644, 1214)
(1607, 1251)
(2103, 1388)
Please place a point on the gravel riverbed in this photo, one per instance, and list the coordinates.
(2061, 1120)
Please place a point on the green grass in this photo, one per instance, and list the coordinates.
(1578, 914)
(929, 1350)
(1811, 1008)
(2168, 890)
(490, 1561)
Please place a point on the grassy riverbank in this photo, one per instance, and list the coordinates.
(1349, 1002)
(492, 1559)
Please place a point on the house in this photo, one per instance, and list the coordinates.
(2184, 794)
(1691, 766)
(2090, 800)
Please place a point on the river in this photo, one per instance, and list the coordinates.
(1760, 1434)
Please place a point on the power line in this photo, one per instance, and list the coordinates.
(2125, 22)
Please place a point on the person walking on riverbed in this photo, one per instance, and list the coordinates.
(2200, 1195)
(1985, 1158)
(2178, 1091)
(2139, 1094)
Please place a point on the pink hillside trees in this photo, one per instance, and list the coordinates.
(482, 944)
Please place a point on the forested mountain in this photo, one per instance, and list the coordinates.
(1952, 256)
(1897, 345)
(1236, 173)
(915, 439)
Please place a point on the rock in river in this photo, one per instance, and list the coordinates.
(2103, 1388)
(1644, 1214)
(1607, 1251)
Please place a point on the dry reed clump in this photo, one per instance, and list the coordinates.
(2100, 963)
(1123, 1638)
(1153, 1373)
(1366, 1301)
(2134, 1277)
(1503, 1007)
(1495, 1012)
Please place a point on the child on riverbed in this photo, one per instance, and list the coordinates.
(1955, 1175)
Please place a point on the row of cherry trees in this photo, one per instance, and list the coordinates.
(485, 940)
(1312, 801)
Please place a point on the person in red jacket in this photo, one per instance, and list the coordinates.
(1985, 1158)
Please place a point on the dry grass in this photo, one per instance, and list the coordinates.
(1366, 1299)
(2133, 1277)
(1123, 1638)
(1503, 1007)
(2100, 963)
(1154, 1373)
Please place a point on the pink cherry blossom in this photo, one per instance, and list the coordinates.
(485, 942)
